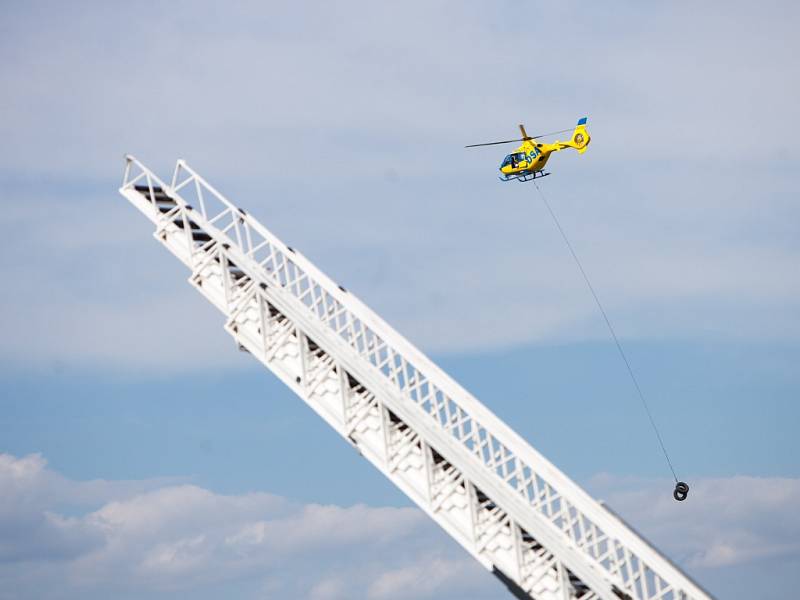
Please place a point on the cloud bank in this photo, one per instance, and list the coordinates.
(347, 141)
(61, 538)
(727, 522)
(160, 538)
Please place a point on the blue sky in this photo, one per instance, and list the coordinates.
(341, 127)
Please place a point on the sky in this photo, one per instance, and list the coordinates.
(142, 456)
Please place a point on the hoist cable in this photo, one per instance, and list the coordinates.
(611, 329)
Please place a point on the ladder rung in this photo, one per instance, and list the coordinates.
(158, 194)
(144, 188)
(179, 223)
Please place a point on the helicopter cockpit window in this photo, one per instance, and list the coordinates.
(513, 159)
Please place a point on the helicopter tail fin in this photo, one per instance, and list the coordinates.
(580, 137)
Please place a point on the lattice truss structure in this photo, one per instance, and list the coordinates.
(514, 511)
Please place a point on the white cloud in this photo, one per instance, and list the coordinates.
(154, 538)
(347, 140)
(425, 579)
(182, 537)
(725, 522)
(334, 588)
(31, 527)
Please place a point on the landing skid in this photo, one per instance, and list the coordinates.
(529, 176)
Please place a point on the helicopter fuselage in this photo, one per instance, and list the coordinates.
(528, 157)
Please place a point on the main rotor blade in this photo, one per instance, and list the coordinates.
(535, 137)
(541, 135)
(495, 143)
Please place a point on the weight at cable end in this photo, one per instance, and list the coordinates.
(681, 491)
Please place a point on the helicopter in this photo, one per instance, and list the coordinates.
(527, 162)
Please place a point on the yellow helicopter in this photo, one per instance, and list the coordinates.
(527, 162)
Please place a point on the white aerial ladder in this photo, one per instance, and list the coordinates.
(513, 510)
